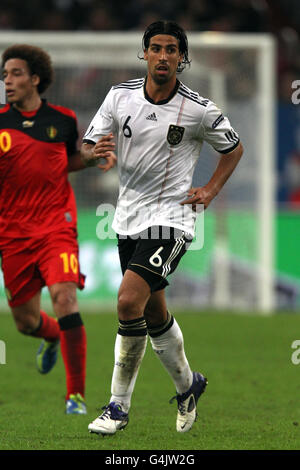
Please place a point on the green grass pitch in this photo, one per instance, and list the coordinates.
(252, 400)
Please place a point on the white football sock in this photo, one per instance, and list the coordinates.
(129, 352)
(170, 350)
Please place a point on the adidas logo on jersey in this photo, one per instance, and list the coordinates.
(152, 117)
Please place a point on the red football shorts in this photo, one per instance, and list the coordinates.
(30, 264)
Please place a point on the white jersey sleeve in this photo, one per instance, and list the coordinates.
(103, 122)
(217, 130)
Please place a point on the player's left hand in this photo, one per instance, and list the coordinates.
(200, 195)
(110, 162)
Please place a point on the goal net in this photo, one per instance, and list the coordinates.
(235, 267)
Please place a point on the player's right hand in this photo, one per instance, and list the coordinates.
(92, 153)
(110, 162)
(103, 147)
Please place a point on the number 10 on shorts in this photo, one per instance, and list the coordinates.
(70, 262)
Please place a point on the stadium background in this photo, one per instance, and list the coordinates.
(282, 20)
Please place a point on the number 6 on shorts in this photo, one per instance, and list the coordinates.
(155, 259)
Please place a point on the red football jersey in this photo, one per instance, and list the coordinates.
(35, 194)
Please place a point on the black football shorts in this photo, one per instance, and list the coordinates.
(153, 253)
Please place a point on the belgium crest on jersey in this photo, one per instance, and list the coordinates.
(52, 132)
(175, 134)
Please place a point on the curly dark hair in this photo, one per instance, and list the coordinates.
(38, 61)
(173, 29)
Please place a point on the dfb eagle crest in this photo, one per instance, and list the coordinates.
(175, 134)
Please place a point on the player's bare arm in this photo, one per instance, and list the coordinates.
(205, 194)
(76, 163)
(104, 148)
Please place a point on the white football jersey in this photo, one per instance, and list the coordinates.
(158, 145)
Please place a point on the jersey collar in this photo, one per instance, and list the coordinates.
(30, 114)
(173, 93)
